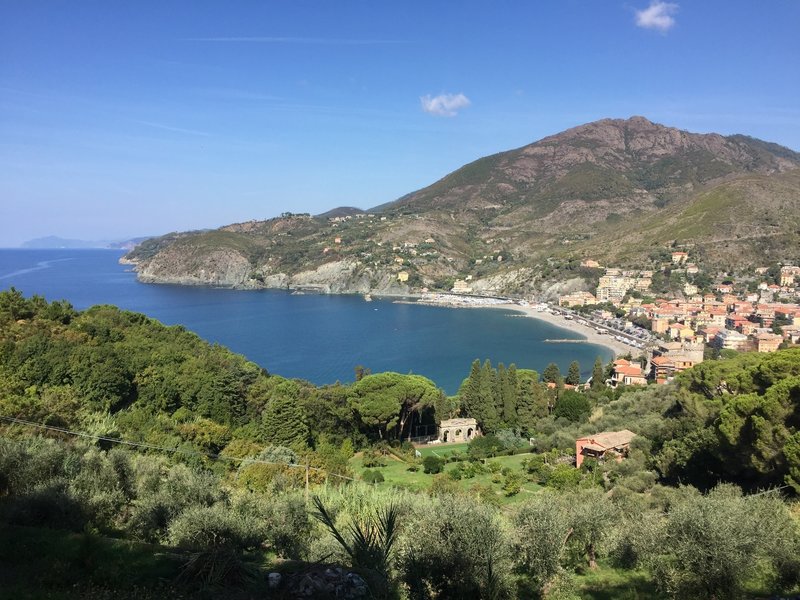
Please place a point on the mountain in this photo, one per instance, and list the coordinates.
(52, 241)
(617, 190)
(55, 242)
(341, 211)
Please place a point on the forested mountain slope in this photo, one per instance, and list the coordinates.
(612, 190)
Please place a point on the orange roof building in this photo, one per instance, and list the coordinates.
(601, 445)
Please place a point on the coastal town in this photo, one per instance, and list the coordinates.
(756, 312)
(703, 317)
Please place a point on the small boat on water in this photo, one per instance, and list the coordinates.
(367, 298)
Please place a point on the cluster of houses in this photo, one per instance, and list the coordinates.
(748, 321)
(688, 327)
(730, 322)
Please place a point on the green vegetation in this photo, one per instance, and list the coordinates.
(217, 493)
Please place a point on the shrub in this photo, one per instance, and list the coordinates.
(512, 484)
(371, 476)
(563, 477)
(444, 486)
(456, 550)
(572, 406)
(456, 473)
(368, 543)
(432, 464)
(541, 528)
(372, 459)
(216, 527)
(484, 447)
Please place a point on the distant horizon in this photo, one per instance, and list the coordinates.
(120, 117)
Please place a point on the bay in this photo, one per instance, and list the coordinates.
(320, 338)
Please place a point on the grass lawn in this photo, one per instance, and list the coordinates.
(607, 583)
(442, 450)
(396, 472)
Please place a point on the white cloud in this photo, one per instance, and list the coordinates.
(657, 16)
(444, 105)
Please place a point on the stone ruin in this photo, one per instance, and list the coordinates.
(458, 430)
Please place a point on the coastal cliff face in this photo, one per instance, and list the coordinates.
(231, 269)
(520, 222)
(222, 267)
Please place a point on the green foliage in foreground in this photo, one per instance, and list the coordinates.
(118, 374)
(444, 545)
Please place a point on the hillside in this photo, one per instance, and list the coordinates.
(612, 190)
(138, 461)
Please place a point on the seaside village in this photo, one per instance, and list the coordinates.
(757, 313)
(760, 313)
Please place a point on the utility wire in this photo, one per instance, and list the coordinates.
(163, 449)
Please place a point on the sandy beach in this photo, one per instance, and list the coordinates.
(586, 331)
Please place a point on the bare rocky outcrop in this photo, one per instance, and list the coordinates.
(221, 267)
(228, 268)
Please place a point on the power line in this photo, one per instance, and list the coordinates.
(210, 455)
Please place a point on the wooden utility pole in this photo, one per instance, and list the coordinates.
(308, 468)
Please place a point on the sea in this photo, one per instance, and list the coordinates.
(320, 338)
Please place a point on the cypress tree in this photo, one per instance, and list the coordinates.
(598, 375)
(532, 400)
(284, 423)
(551, 373)
(499, 398)
(510, 397)
(487, 412)
(469, 392)
(574, 373)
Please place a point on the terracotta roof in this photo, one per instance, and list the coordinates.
(594, 447)
(609, 439)
(629, 370)
(662, 360)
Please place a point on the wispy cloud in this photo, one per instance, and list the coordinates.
(171, 128)
(237, 94)
(444, 105)
(657, 16)
(296, 40)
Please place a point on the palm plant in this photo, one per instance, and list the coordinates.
(370, 541)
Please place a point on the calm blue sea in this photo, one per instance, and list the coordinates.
(314, 337)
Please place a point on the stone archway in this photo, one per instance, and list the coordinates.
(458, 430)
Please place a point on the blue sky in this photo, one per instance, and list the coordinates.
(120, 119)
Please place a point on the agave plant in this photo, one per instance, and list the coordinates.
(370, 541)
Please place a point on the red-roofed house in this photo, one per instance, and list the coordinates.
(768, 342)
(662, 367)
(709, 333)
(602, 445)
(624, 373)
